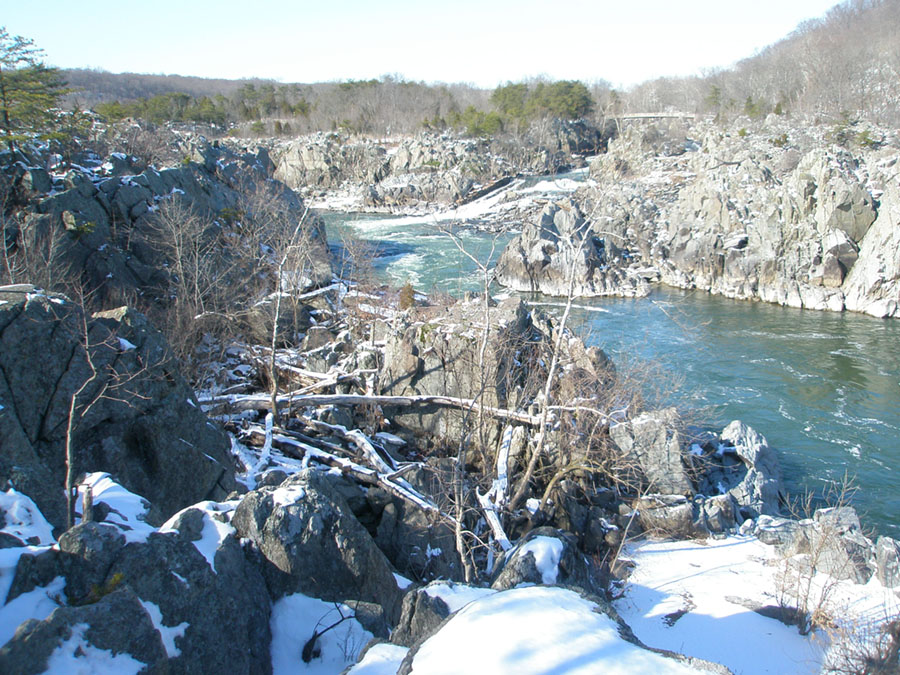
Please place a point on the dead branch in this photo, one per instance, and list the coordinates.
(236, 403)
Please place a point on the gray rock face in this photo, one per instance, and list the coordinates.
(442, 358)
(415, 544)
(887, 560)
(774, 213)
(560, 250)
(135, 420)
(420, 617)
(654, 443)
(118, 623)
(225, 610)
(428, 169)
(101, 226)
(838, 547)
(667, 515)
(559, 562)
(760, 489)
(314, 545)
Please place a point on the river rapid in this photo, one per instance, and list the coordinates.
(824, 388)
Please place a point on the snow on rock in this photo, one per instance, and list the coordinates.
(127, 511)
(168, 634)
(285, 496)
(23, 519)
(381, 659)
(402, 582)
(125, 345)
(538, 629)
(547, 552)
(37, 604)
(76, 656)
(214, 531)
(456, 596)
(295, 618)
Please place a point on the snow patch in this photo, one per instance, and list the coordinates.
(166, 633)
(534, 630)
(295, 618)
(547, 552)
(125, 345)
(692, 597)
(214, 530)
(382, 659)
(76, 656)
(286, 496)
(456, 596)
(402, 582)
(127, 511)
(24, 520)
(36, 604)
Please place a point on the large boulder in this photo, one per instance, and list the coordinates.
(313, 544)
(545, 556)
(838, 547)
(560, 252)
(418, 544)
(443, 357)
(653, 443)
(741, 464)
(108, 383)
(887, 560)
(420, 617)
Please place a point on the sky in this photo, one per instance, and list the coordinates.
(481, 42)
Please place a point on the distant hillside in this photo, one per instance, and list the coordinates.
(98, 86)
(846, 63)
(386, 105)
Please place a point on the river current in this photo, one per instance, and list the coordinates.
(824, 388)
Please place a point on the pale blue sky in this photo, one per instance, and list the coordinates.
(484, 42)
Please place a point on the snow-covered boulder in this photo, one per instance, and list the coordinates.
(207, 601)
(113, 635)
(544, 556)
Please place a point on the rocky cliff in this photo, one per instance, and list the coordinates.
(768, 211)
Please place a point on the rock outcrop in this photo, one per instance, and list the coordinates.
(561, 253)
(313, 544)
(767, 211)
(108, 383)
(97, 222)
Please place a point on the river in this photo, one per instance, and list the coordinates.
(824, 388)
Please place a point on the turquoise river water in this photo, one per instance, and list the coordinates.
(824, 388)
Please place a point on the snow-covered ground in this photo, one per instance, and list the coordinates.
(693, 597)
(690, 597)
(537, 629)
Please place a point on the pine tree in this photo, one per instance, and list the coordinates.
(29, 90)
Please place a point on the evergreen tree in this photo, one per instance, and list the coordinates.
(29, 90)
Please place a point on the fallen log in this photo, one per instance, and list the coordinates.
(218, 404)
(299, 450)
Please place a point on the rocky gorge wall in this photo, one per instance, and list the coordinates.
(429, 168)
(768, 211)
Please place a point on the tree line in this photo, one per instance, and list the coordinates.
(843, 66)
